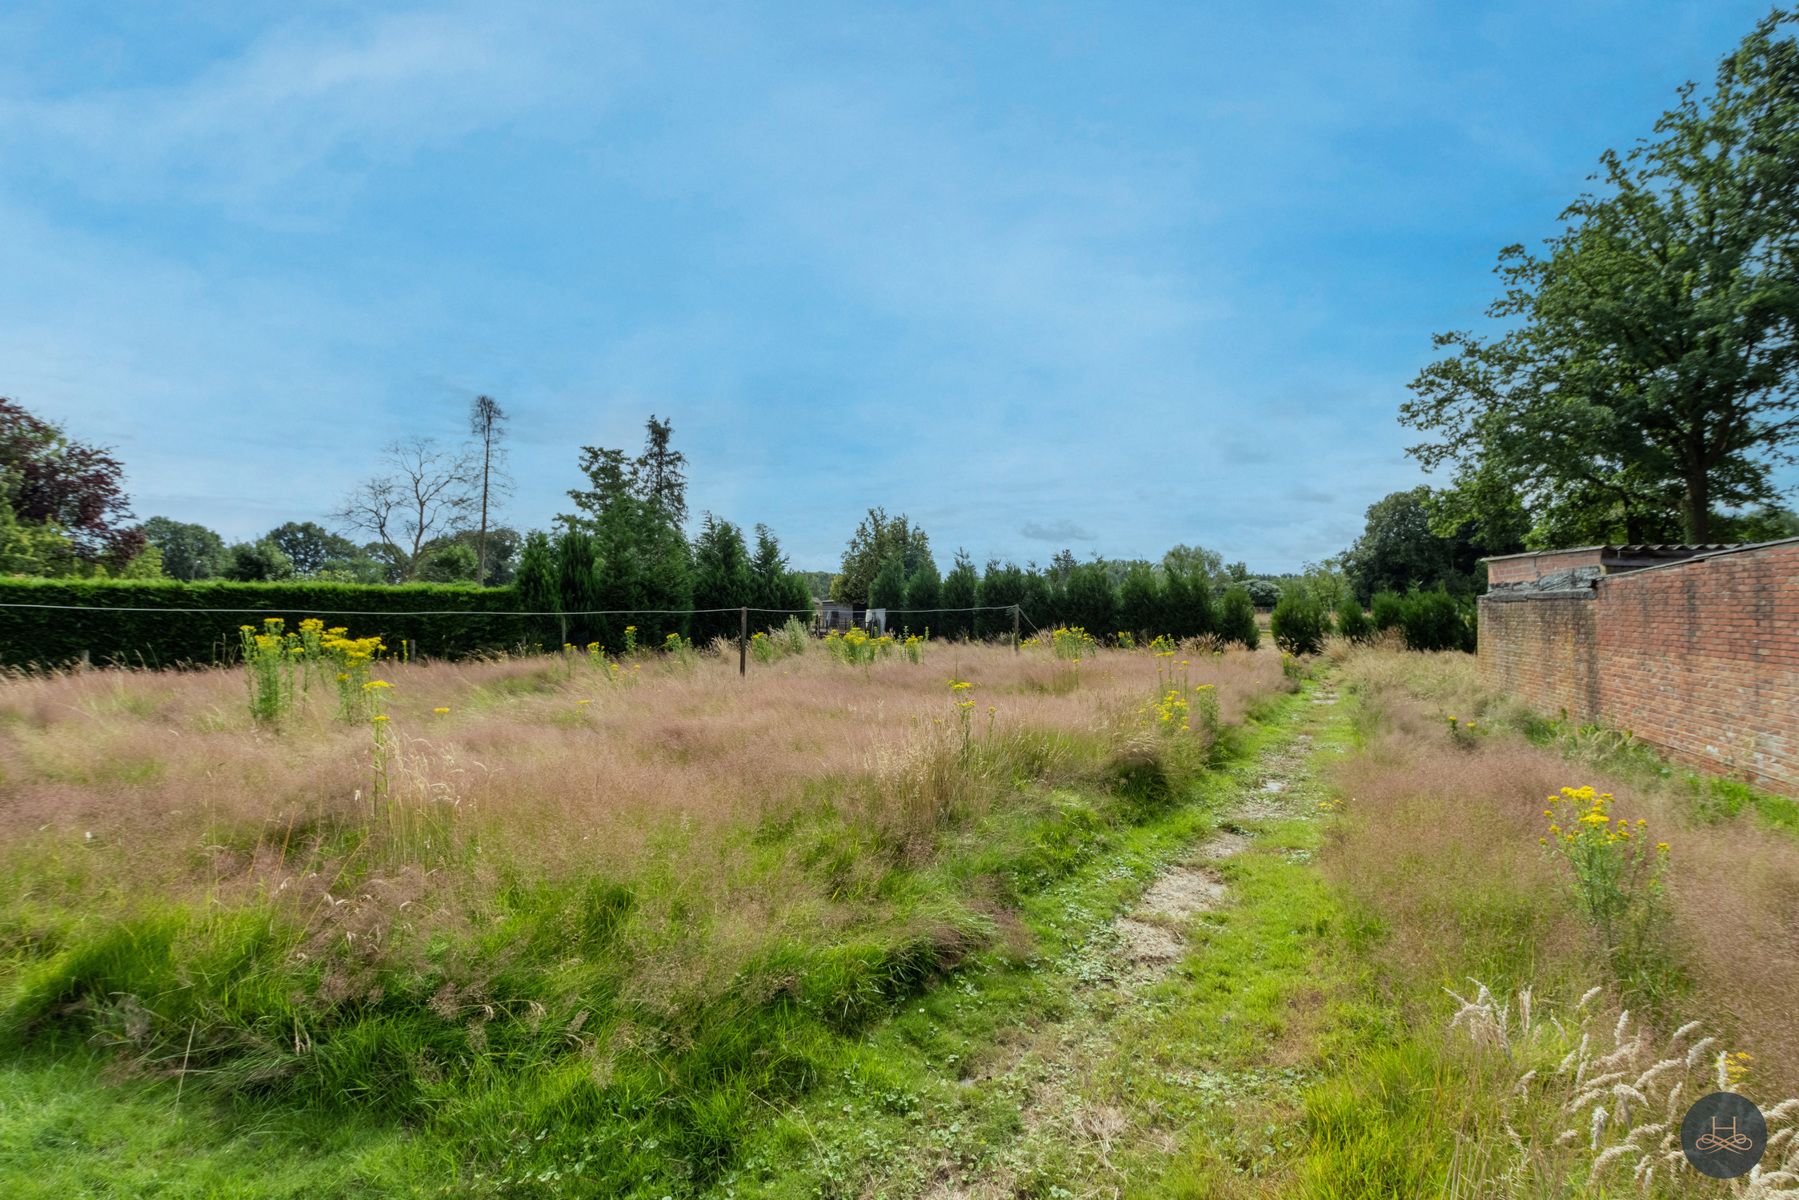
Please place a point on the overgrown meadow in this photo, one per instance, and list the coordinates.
(577, 916)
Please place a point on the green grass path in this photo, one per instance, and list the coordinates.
(1142, 1053)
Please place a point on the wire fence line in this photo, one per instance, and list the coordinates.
(460, 612)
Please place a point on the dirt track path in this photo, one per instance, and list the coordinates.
(1068, 1077)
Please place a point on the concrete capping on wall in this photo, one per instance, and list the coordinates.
(1523, 595)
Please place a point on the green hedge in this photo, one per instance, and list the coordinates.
(458, 620)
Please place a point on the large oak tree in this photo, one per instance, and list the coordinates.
(1648, 374)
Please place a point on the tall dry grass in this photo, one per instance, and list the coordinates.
(629, 910)
(1438, 843)
(150, 774)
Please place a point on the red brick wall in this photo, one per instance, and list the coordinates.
(1527, 567)
(1701, 659)
(1540, 648)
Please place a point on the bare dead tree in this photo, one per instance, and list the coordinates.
(486, 422)
(425, 492)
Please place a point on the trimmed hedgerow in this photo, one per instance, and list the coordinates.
(456, 620)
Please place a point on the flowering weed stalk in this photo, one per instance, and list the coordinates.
(351, 658)
(1465, 735)
(959, 690)
(271, 656)
(1618, 870)
(1205, 704)
(1071, 643)
(856, 647)
(913, 647)
(1179, 700)
(374, 690)
(681, 650)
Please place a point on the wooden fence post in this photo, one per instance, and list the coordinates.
(1015, 629)
(743, 641)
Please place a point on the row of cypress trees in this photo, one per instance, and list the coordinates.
(623, 551)
(1147, 602)
(666, 585)
(657, 584)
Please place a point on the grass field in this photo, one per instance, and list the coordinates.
(550, 918)
(844, 929)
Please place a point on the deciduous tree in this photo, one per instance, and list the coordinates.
(76, 488)
(310, 547)
(189, 551)
(1652, 364)
(424, 492)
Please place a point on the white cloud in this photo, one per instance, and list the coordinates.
(281, 130)
(1059, 532)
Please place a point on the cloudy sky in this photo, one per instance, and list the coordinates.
(1106, 276)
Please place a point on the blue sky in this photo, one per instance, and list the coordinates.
(1106, 276)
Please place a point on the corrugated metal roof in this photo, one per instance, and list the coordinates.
(1673, 548)
(1670, 549)
(1715, 552)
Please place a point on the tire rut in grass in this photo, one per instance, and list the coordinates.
(1123, 963)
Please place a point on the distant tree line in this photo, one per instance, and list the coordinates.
(425, 517)
(428, 516)
(888, 565)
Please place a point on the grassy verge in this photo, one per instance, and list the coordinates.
(1710, 798)
(1489, 1007)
